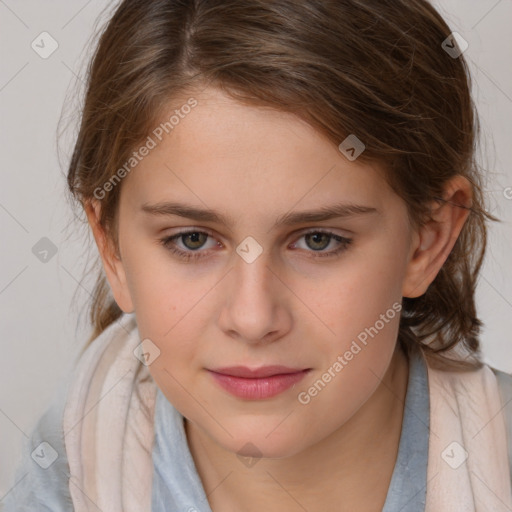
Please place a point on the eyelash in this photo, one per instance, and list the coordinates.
(168, 243)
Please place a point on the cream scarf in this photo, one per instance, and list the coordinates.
(108, 426)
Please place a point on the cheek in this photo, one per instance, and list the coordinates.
(366, 286)
(163, 291)
(171, 307)
(355, 356)
(361, 307)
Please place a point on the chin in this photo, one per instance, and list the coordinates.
(259, 446)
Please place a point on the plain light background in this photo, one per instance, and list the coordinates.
(41, 328)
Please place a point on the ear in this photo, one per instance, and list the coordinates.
(433, 242)
(112, 264)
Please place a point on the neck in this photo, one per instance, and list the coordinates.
(359, 458)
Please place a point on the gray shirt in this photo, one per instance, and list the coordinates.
(176, 483)
(178, 486)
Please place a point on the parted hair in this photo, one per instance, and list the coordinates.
(374, 68)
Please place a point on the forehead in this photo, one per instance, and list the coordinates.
(221, 153)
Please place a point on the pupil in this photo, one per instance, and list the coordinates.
(320, 235)
(194, 238)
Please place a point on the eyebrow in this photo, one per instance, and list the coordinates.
(288, 219)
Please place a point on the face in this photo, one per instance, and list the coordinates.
(258, 286)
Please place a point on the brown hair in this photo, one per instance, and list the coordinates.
(366, 67)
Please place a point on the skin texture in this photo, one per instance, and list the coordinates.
(289, 306)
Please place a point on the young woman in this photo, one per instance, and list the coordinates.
(290, 220)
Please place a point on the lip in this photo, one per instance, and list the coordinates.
(259, 383)
(255, 373)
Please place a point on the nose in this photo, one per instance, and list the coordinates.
(255, 308)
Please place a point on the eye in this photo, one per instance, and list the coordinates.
(192, 241)
(319, 240)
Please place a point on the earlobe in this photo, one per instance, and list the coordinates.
(112, 263)
(434, 241)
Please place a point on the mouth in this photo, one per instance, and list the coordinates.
(258, 383)
(255, 373)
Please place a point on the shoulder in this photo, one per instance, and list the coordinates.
(505, 386)
(478, 388)
(504, 381)
(42, 476)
